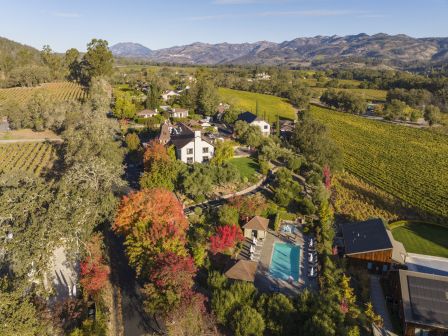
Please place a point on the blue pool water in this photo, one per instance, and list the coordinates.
(285, 261)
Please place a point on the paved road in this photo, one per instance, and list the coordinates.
(135, 321)
(379, 301)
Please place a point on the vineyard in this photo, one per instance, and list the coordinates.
(410, 164)
(59, 91)
(357, 200)
(33, 157)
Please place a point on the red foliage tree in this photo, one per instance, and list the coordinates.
(94, 271)
(170, 282)
(327, 177)
(226, 237)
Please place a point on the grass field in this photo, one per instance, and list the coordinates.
(408, 163)
(422, 238)
(268, 104)
(60, 91)
(33, 157)
(247, 166)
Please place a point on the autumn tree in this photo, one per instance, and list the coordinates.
(170, 282)
(161, 167)
(226, 238)
(132, 141)
(153, 223)
(94, 271)
(248, 206)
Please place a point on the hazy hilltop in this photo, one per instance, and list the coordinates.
(129, 49)
(382, 47)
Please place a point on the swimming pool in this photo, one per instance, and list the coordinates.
(285, 261)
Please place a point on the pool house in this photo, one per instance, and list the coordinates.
(256, 228)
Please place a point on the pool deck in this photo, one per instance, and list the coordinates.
(264, 280)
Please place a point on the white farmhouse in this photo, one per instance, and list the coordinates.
(169, 94)
(252, 119)
(147, 113)
(190, 146)
(178, 113)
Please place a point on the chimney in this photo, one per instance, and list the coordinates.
(197, 134)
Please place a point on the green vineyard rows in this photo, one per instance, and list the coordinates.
(410, 164)
(31, 157)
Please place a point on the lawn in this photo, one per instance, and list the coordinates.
(406, 162)
(422, 238)
(247, 166)
(269, 105)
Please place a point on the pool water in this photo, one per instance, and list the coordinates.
(285, 261)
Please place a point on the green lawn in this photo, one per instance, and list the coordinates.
(422, 238)
(247, 166)
(268, 104)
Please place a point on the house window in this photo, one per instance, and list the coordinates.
(189, 160)
(189, 150)
(265, 127)
(421, 332)
(205, 158)
(205, 150)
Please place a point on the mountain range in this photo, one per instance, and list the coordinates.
(387, 48)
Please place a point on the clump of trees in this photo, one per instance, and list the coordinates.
(344, 101)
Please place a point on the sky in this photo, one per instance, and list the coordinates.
(64, 24)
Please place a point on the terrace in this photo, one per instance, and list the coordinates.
(286, 259)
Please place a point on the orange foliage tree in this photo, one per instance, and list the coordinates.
(153, 222)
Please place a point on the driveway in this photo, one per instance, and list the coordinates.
(379, 301)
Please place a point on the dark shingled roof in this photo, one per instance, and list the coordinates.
(248, 117)
(425, 298)
(367, 236)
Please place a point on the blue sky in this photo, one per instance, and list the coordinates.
(157, 24)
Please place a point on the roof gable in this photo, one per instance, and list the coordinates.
(257, 223)
(248, 117)
(367, 236)
(243, 270)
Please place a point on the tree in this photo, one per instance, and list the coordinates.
(312, 140)
(226, 238)
(248, 206)
(372, 317)
(278, 313)
(71, 61)
(124, 108)
(132, 141)
(94, 271)
(98, 61)
(223, 152)
(153, 223)
(170, 282)
(153, 96)
(246, 321)
(161, 167)
(432, 114)
(52, 60)
(228, 215)
(207, 97)
(197, 182)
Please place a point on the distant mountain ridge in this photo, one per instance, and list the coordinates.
(384, 47)
(129, 49)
